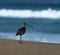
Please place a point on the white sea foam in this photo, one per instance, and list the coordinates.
(49, 13)
(38, 37)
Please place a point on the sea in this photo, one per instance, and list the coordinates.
(45, 20)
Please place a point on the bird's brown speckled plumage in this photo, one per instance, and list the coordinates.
(21, 30)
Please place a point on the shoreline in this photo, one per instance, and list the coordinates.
(13, 47)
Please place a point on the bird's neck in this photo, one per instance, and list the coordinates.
(24, 26)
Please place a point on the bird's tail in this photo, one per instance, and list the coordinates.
(16, 34)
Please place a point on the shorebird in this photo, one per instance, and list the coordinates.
(22, 30)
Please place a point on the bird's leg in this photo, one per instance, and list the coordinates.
(20, 37)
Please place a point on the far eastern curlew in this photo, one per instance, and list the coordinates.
(22, 30)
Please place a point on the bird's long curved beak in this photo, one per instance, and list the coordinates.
(29, 26)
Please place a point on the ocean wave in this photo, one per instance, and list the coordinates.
(49, 13)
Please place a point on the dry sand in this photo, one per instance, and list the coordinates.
(12, 47)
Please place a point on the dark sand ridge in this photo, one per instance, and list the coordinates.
(12, 47)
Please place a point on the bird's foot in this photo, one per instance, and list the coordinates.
(20, 41)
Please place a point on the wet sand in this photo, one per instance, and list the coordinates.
(13, 47)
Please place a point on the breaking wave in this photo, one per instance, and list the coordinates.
(49, 13)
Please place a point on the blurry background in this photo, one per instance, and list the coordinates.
(43, 15)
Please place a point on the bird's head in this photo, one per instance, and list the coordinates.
(24, 25)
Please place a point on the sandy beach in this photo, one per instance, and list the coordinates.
(13, 47)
